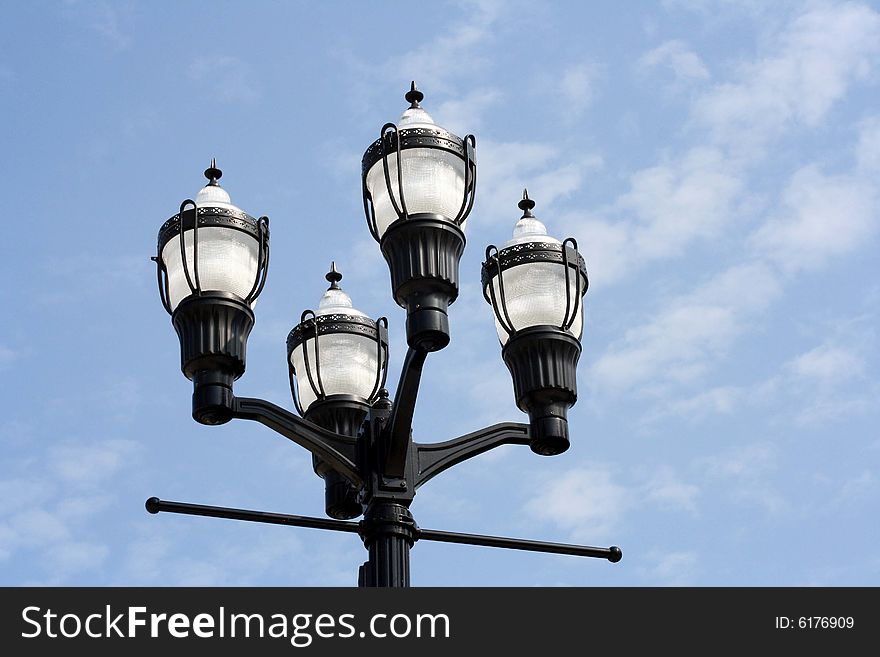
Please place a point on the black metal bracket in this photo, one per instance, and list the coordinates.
(434, 458)
(155, 505)
(337, 451)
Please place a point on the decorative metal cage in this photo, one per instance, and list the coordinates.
(393, 141)
(310, 330)
(565, 254)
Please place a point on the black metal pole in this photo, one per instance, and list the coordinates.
(389, 533)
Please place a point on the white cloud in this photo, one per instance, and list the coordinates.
(89, 465)
(868, 149)
(825, 216)
(856, 489)
(74, 557)
(47, 512)
(679, 202)
(671, 568)
(112, 21)
(667, 208)
(586, 501)
(668, 491)
(747, 461)
(438, 65)
(225, 77)
(591, 503)
(464, 114)
(821, 410)
(685, 64)
(827, 364)
(819, 55)
(744, 472)
(505, 168)
(681, 341)
(7, 356)
(578, 88)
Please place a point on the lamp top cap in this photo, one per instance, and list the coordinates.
(335, 301)
(333, 276)
(526, 204)
(414, 96)
(529, 228)
(213, 174)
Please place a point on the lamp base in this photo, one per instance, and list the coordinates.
(423, 253)
(213, 329)
(344, 415)
(548, 429)
(543, 364)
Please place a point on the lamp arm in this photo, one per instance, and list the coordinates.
(337, 451)
(434, 458)
(397, 436)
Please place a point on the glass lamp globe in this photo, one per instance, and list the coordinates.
(436, 171)
(535, 280)
(227, 240)
(337, 351)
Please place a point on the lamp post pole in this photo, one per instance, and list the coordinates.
(419, 182)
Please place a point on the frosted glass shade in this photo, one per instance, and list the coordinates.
(535, 286)
(349, 360)
(534, 294)
(349, 364)
(228, 262)
(433, 182)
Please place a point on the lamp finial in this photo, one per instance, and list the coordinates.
(526, 205)
(414, 96)
(333, 276)
(213, 174)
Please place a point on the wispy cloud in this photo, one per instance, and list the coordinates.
(824, 216)
(111, 21)
(89, 465)
(587, 502)
(868, 149)
(578, 87)
(680, 342)
(227, 78)
(465, 114)
(678, 568)
(675, 56)
(507, 167)
(743, 472)
(7, 356)
(593, 502)
(667, 490)
(819, 55)
(827, 364)
(463, 48)
(666, 209)
(47, 509)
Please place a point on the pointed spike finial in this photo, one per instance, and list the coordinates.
(414, 96)
(213, 174)
(526, 205)
(333, 276)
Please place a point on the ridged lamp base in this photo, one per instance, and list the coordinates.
(423, 254)
(543, 364)
(213, 329)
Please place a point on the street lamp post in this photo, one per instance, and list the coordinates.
(419, 182)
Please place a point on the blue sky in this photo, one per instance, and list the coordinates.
(717, 162)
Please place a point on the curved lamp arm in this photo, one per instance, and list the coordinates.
(397, 435)
(339, 452)
(434, 458)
